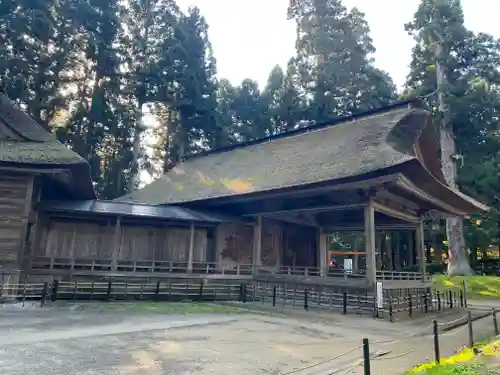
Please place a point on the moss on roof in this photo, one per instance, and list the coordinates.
(347, 149)
(24, 141)
(37, 153)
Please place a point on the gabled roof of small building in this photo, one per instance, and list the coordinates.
(26, 144)
(23, 140)
(335, 151)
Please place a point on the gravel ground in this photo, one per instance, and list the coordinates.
(64, 341)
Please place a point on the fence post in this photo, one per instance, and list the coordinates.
(44, 293)
(461, 298)
(200, 294)
(74, 292)
(108, 293)
(471, 332)
(55, 288)
(24, 293)
(450, 297)
(495, 323)
(391, 317)
(157, 290)
(306, 302)
(410, 307)
(436, 341)
(366, 356)
(244, 293)
(344, 303)
(465, 293)
(439, 300)
(426, 304)
(274, 296)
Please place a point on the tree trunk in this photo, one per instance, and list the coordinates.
(457, 264)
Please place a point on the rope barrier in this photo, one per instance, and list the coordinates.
(394, 356)
(400, 337)
(352, 368)
(322, 362)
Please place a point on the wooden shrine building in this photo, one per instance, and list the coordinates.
(257, 210)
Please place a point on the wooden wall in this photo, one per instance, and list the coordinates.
(16, 195)
(234, 244)
(87, 240)
(272, 242)
(282, 244)
(300, 245)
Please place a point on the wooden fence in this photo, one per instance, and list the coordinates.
(295, 296)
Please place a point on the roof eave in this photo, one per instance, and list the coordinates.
(467, 206)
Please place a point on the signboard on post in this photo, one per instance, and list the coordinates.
(348, 265)
(380, 295)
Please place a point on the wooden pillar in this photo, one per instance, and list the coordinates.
(257, 243)
(388, 251)
(116, 244)
(371, 260)
(355, 248)
(411, 249)
(378, 246)
(191, 248)
(397, 250)
(420, 247)
(323, 251)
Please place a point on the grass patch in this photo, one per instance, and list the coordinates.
(478, 287)
(159, 307)
(464, 362)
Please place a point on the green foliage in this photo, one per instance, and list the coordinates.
(472, 97)
(478, 287)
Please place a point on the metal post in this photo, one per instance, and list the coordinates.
(391, 318)
(55, 288)
(344, 303)
(44, 293)
(439, 300)
(200, 294)
(366, 356)
(108, 294)
(450, 297)
(274, 296)
(436, 341)
(465, 293)
(495, 323)
(306, 302)
(410, 307)
(471, 333)
(157, 290)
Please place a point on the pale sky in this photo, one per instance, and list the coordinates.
(249, 37)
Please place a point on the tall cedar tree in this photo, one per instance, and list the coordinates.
(471, 95)
(334, 59)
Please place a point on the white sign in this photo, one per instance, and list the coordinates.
(380, 295)
(348, 265)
